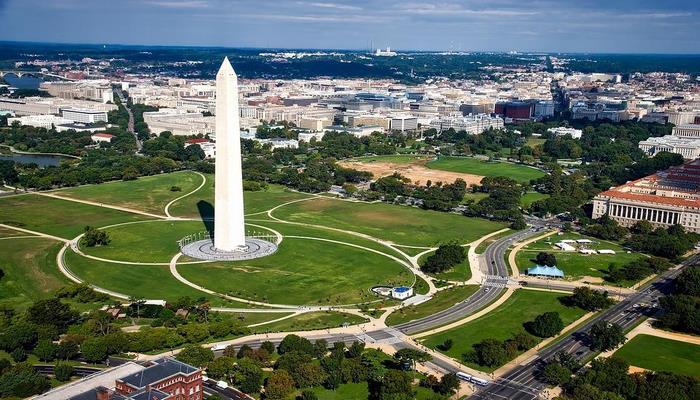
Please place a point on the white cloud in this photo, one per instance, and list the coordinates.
(334, 6)
(180, 4)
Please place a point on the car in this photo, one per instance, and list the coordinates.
(222, 384)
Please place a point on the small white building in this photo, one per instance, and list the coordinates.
(565, 246)
(563, 131)
(606, 251)
(307, 136)
(401, 292)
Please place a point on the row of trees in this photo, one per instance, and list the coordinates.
(300, 365)
(681, 309)
(608, 379)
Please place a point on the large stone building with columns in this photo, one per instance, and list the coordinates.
(666, 198)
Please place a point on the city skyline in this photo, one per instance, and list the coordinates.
(544, 26)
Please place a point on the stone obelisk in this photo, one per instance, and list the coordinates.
(229, 225)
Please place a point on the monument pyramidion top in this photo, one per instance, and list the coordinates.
(226, 69)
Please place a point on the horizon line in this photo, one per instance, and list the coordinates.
(349, 50)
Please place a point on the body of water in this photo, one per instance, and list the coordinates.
(42, 160)
(25, 82)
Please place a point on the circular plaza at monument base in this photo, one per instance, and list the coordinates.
(201, 246)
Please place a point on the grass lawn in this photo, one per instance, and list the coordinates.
(256, 318)
(62, 218)
(358, 391)
(530, 197)
(148, 193)
(477, 197)
(475, 166)
(503, 322)
(144, 281)
(302, 271)
(458, 273)
(481, 248)
(440, 301)
(534, 141)
(30, 271)
(399, 224)
(574, 264)
(201, 203)
(8, 232)
(150, 241)
(660, 354)
(311, 321)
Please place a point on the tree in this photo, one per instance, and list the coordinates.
(688, 282)
(248, 376)
(444, 258)
(446, 345)
(279, 385)
(95, 237)
(295, 343)
(490, 353)
(45, 350)
(63, 372)
(395, 385)
(268, 346)
(544, 258)
(94, 349)
(195, 355)
(51, 312)
(221, 368)
(355, 349)
(407, 355)
(449, 383)
(556, 374)
(589, 299)
(545, 325)
(22, 381)
(606, 336)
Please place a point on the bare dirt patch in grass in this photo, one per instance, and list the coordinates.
(414, 170)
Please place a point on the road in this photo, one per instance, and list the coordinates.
(492, 288)
(524, 381)
(130, 125)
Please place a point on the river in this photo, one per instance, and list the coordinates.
(25, 82)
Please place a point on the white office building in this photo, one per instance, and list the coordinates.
(404, 123)
(84, 116)
(563, 131)
(473, 124)
(688, 147)
(687, 130)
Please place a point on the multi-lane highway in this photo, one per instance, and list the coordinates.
(491, 289)
(524, 381)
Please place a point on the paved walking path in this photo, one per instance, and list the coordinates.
(511, 256)
(173, 201)
(96, 204)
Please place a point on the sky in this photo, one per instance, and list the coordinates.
(598, 26)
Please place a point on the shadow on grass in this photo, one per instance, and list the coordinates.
(206, 212)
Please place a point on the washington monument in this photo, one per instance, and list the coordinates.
(229, 226)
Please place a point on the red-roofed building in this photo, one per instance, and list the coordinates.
(101, 137)
(666, 198)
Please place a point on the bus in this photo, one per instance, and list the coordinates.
(464, 377)
(479, 381)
